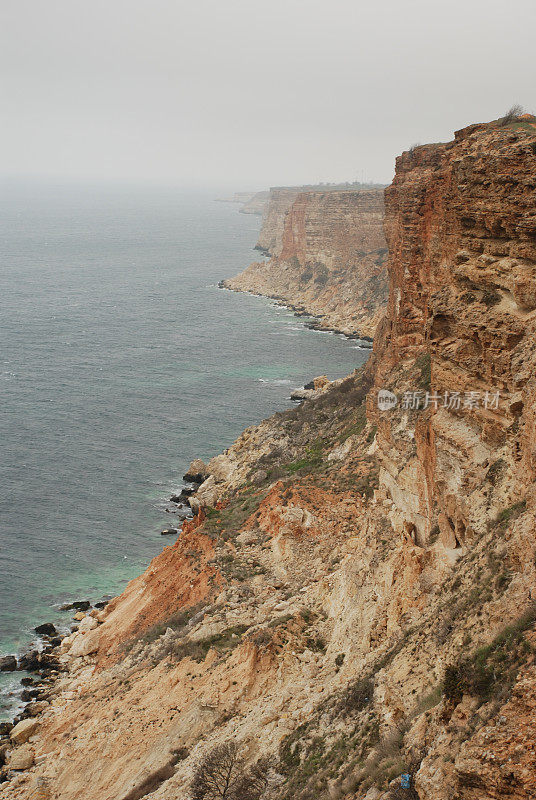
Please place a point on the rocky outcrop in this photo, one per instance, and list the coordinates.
(355, 596)
(328, 257)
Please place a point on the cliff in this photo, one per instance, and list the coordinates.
(355, 597)
(328, 257)
(250, 202)
(256, 204)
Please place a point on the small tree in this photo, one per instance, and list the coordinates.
(220, 775)
(514, 113)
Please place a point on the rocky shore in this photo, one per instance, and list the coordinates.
(315, 322)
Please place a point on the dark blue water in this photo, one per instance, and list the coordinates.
(121, 361)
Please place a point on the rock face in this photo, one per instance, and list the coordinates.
(270, 238)
(328, 257)
(355, 597)
(462, 271)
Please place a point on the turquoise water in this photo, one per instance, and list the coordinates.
(121, 361)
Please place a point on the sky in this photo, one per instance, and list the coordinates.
(248, 94)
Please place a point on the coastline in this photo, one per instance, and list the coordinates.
(301, 311)
(38, 663)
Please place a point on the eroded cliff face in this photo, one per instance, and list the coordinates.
(355, 598)
(271, 234)
(328, 258)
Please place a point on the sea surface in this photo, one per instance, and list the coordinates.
(120, 362)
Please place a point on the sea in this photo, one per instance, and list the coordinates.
(120, 361)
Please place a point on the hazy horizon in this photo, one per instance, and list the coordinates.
(244, 96)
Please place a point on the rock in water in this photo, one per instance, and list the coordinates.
(47, 629)
(8, 663)
(197, 472)
(79, 605)
(30, 661)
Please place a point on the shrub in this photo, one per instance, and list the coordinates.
(512, 114)
(220, 775)
(507, 515)
(424, 364)
(490, 298)
(496, 470)
(310, 461)
(491, 670)
(177, 622)
(322, 274)
(356, 696)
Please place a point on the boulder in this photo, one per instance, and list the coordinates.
(21, 758)
(197, 472)
(29, 661)
(206, 496)
(23, 730)
(4, 748)
(183, 495)
(87, 624)
(46, 629)
(6, 728)
(302, 394)
(84, 645)
(78, 605)
(169, 531)
(221, 467)
(36, 708)
(8, 663)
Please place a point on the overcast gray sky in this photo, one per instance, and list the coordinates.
(251, 93)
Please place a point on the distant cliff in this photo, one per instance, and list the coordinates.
(256, 204)
(328, 254)
(250, 202)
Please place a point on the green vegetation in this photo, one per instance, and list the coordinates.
(356, 696)
(496, 470)
(491, 670)
(177, 622)
(225, 523)
(322, 274)
(507, 515)
(366, 484)
(225, 641)
(356, 425)
(490, 298)
(372, 433)
(312, 459)
(237, 569)
(424, 364)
